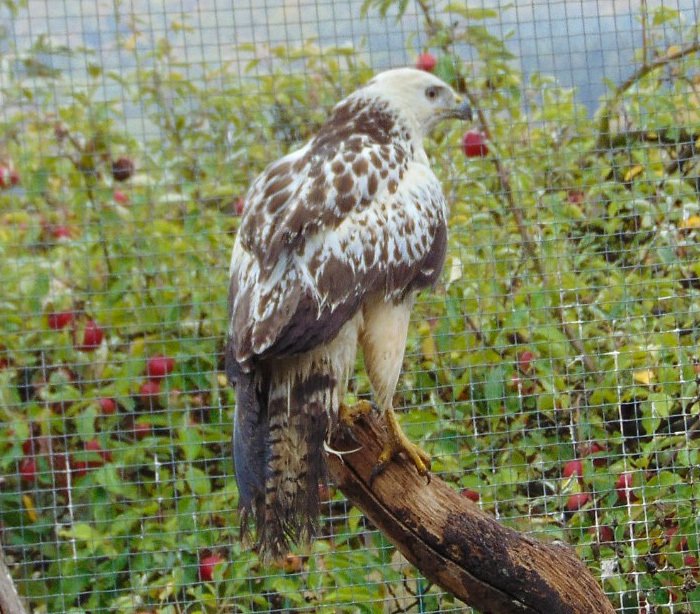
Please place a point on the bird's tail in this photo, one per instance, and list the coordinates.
(278, 449)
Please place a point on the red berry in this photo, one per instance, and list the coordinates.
(92, 336)
(159, 366)
(59, 319)
(426, 61)
(14, 177)
(623, 485)
(577, 501)
(573, 467)
(120, 197)
(122, 169)
(27, 469)
(474, 144)
(470, 494)
(141, 429)
(207, 565)
(525, 361)
(107, 406)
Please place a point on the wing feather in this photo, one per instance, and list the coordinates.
(325, 227)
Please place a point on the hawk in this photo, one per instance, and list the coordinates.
(335, 241)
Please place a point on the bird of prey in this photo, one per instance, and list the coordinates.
(335, 241)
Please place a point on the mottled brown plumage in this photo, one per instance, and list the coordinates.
(336, 239)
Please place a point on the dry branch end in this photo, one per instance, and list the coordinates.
(454, 543)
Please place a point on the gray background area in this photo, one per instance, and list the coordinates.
(578, 41)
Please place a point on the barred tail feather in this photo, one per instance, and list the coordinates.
(298, 407)
(281, 423)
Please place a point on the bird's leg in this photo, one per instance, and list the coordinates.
(349, 413)
(397, 443)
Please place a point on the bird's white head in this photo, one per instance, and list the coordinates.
(419, 96)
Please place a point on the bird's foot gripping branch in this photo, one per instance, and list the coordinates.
(452, 541)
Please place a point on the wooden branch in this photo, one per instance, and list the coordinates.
(10, 602)
(454, 543)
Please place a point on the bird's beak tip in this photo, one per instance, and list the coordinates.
(463, 110)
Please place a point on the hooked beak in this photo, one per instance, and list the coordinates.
(461, 110)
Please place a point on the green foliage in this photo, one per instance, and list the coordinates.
(606, 245)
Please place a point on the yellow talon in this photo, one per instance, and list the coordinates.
(397, 443)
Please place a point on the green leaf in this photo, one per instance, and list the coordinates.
(469, 13)
(198, 481)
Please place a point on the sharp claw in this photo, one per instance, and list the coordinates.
(376, 471)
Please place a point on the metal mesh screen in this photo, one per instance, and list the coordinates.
(552, 375)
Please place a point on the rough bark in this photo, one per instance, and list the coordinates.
(10, 602)
(454, 543)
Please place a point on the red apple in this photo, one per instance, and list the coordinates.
(27, 470)
(148, 393)
(426, 61)
(623, 485)
(79, 468)
(92, 336)
(107, 406)
(122, 168)
(120, 197)
(470, 494)
(159, 366)
(573, 467)
(61, 231)
(207, 565)
(474, 144)
(593, 448)
(576, 501)
(606, 534)
(59, 319)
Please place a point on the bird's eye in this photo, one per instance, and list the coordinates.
(432, 92)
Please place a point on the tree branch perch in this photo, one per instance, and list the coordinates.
(457, 545)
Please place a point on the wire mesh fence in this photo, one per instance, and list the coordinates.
(552, 374)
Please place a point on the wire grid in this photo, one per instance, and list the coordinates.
(552, 375)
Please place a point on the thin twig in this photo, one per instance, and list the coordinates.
(644, 9)
(604, 137)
